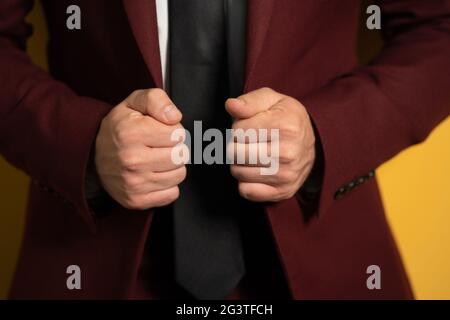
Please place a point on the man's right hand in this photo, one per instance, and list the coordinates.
(133, 151)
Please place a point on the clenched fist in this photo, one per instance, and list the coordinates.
(133, 151)
(267, 109)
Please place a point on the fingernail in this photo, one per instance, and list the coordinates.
(239, 102)
(171, 113)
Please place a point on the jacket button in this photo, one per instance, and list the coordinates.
(340, 193)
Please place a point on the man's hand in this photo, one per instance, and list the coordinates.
(133, 151)
(267, 109)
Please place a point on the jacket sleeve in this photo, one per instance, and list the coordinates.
(367, 116)
(45, 128)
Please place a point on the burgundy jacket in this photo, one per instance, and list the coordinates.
(306, 49)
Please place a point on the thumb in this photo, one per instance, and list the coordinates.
(156, 104)
(252, 103)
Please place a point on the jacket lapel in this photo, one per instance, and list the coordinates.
(259, 17)
(143, 21)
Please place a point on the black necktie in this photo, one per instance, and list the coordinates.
(209, 260)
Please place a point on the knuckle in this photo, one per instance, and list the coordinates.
(287, 153)
(284, 176)
(175, 194)
(155, 94)
(267, 90)
(245, 191)
(134, 203)
(236, 172)
(114, 114)
(167, 198)
(292, 101)
(136, 92)
(129, 160)
(131, 182)
(290, 130)
(171, 196)
(123, 134)
(284, 193)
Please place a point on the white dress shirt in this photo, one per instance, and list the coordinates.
(162, 13)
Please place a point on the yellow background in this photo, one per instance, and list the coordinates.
(415, 188)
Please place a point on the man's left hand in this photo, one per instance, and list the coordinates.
(268, 109)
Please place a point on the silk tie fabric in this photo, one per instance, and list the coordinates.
(209, 261)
